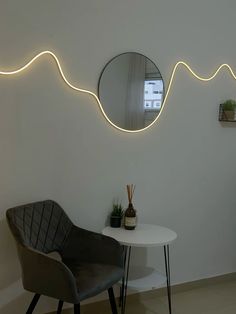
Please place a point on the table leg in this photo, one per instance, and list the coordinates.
(125, 279)
(167, 267)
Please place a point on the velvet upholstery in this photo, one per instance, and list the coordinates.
(90, 262)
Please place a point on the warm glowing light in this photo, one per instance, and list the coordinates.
(206, 79)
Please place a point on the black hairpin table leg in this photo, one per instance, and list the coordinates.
(167, 267)
(125, 279)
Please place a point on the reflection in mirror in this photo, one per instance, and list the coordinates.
(131, 91)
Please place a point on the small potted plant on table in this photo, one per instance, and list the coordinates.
(116, 215)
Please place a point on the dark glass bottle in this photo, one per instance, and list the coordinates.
(130, 218)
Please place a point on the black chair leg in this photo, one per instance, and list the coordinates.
(59, 308)
(33, 303)
(77, 308)
(112, 300)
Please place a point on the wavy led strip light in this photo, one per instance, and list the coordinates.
(206, 79)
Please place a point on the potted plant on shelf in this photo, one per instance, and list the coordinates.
(116, 215)
(228, 110)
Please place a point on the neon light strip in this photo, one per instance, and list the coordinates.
(205, 79)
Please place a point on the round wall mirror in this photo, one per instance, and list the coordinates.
(131, 91)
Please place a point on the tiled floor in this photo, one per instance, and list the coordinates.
(212, 299)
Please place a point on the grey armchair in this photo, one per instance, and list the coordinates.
(90, 262)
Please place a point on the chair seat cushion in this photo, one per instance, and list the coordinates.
(92, 279)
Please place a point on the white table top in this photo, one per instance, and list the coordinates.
(144, 235)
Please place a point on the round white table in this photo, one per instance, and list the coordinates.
(144, 235)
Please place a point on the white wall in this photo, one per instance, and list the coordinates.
(55, 143)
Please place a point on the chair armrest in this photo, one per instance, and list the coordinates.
(47, 276)
(88, 246)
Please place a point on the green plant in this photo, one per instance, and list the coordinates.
(229, 105)
(117, 210)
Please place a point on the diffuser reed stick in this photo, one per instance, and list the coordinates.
(130, 191)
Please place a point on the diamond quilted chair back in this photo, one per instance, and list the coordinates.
(43, 226)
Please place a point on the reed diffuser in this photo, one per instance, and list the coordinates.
(130, 213)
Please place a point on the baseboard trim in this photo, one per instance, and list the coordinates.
(186, 286)
(104, 304)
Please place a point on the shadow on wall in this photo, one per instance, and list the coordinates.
(10, 267)
(13, 298)
(10, 277)
(17, 304)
